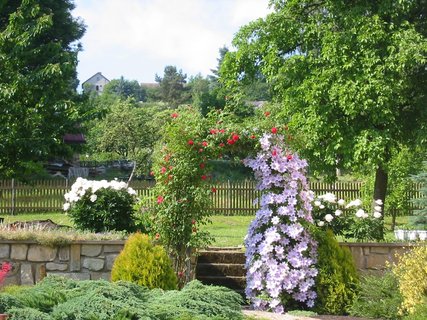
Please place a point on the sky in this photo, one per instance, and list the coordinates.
(136, 39)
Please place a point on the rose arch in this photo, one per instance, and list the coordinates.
(280, 253)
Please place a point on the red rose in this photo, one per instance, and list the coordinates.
(213, 189)
(190, 142)
(202, 166)
(230, 141)
(274, 153)
(274, 130)
(174, 115)
(222, 131)
(235, 137)
(213, 131)
(253, 136)
(204, 143)
(204, 177)
(160, 199)
(289, 157)
(221, 144)
(267, 113)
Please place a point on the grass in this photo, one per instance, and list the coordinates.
(228, 231)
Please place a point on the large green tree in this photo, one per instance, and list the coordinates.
(350, 76)
(38, 58)
(173, 90)
(126, 89)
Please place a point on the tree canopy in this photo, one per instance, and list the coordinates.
(126, 89)
(350, 77)
(38, 58)
(172, 86)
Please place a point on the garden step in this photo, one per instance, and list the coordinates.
(229, 257)
(220, 269)
(234, 283)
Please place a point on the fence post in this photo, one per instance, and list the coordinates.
(13, 196)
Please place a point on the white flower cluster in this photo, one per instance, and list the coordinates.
(329, 199)
(84, 186)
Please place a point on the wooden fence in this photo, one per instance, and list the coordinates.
(230, 198)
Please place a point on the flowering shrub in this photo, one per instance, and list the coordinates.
(348, 219)
(280, 255)
(5, 268)
(100, 206)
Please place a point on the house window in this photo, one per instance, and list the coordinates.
(97, 88)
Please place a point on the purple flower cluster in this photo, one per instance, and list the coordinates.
(280, 253)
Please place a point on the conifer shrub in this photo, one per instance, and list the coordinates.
(8, 301)
(145, 264)
(411, 273)
(379, 297)
(27, 314)
(337, 281)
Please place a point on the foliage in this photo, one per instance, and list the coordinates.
(333, 66)
(38, 59)
(100, 206)
(102, 300)
(337, 281)
(421, 202)
(348, 219)
(8, 301)
(378, 297)
(420, 312)
(206, 94)
(172, 87)
(280, 253)
(411, 273)
(145, 264)
(125, 89)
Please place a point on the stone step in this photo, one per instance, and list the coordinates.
(234, 283)
(220, 269)
(227, 257)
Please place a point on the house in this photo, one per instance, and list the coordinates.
(95, 83)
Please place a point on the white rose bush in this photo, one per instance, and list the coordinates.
(100, 206)
(348, 219)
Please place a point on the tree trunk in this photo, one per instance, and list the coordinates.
(380, 189)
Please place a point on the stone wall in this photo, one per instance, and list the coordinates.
(81, 260)
(86, 260)
(373, 257)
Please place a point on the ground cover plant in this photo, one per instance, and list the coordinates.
(66, 299)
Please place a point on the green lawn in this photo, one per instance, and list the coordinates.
(228, 231)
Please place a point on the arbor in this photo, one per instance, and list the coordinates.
(38, 58)
(172, 86)
(350, 75)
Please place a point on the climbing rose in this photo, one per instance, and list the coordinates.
(235, 137)
(274, 130)
(190, 142)
(174, 115)
(159, 199)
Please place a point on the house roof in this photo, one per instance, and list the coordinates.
(96, 74)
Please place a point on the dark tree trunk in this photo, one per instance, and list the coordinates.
(380, 188)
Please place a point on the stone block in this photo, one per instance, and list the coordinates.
(358, 257)
(19, 252)
(27, 275)
(75, 257)
(52, 266)
(93, 264)
(377, 261)
(100, 275)
(72, 275)
(64, 253)
(4, 251)
(366, 251)
(113, 248)
(109, 261)
(40, 272)
(381, 250)
(38, 253)
(91, 250)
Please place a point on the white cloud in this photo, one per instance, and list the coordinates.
(135, 37)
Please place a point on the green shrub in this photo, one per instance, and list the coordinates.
(27, 314)
(103, 300)
(100, 206)
(379, 297)
(420, 312)
(8, 301)
(411, 273)
(145, 264)
(337, 281)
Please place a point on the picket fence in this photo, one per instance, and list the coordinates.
(230, 198)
